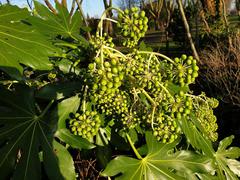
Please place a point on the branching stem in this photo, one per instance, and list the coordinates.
(158, 54)
(149, 97)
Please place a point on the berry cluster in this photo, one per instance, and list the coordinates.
(85, 124)
(98, 41)
(205, 115)
(165, 128)
(133, 24)
(141, 89)
(112, 104)
(146, 73)
(185, 71)
(106, 75)
(130, 119)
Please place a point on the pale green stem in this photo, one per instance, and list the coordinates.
(153, 113)
(84, 99)
(158, 54)
(149, 97)
(100, 25)
(101, 55)
(153, 105)
(164, 88)
(115, 50)
(112, 20)
(133, 147)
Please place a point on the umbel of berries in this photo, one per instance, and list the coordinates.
(133, 25)
(85, 124)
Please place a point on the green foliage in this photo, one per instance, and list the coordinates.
(93, 96)
(23, 133)
(65, 161)
(64, 108)
(225, 159)
(23, 42)
(60, 24)
(159, 163)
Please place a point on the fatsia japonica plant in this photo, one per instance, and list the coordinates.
(61, 91)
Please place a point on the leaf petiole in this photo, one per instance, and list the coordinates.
(133, 147)
(47, 108)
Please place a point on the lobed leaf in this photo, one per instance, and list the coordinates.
(21, 43)
(52, 24)
(159, 163)
(23, 134)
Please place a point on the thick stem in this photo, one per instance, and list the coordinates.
(226, 23)
(133, 147)
(72, 7)
(153, 113)
(64, 3)
(103, 17)
(149, 97)
(84, 99)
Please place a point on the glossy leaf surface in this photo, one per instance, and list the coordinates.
(20, 42)
(159, 163)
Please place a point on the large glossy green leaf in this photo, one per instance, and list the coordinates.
(21, 43)
(23, 134)
(61, 23)
(64, 108)
(65, 161)
(196, 138)
(160, 163)
(225, 159)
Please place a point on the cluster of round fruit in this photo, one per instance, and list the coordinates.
(130, 119)
(185, 70)
(112, 104)
(205, 115)
(85, 124)
(133, 25)
(146, 72)
(106, 75)
(97, 41)
(165, 128)
(182, 106)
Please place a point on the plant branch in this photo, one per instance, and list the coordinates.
(79, 4)
(133, 147)
(149, 97)
(157, 54)
(64, 3)
(72, 7)
(48, 4)
(180, 6)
